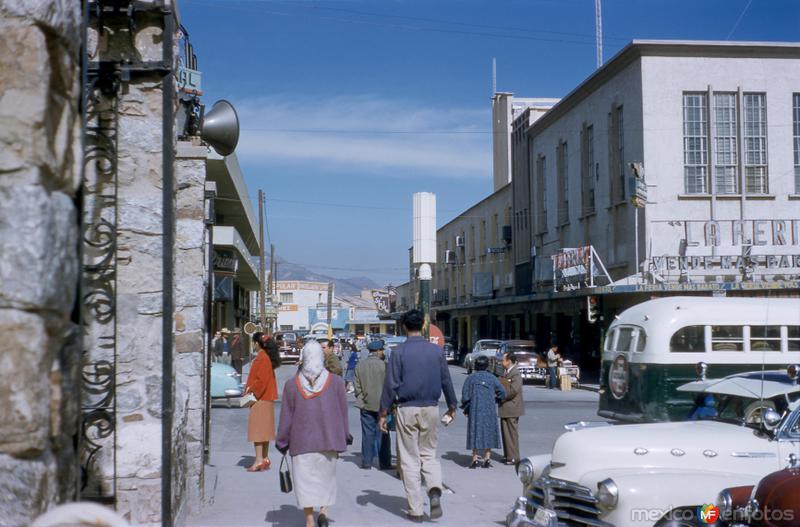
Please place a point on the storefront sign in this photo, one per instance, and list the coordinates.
(290, 285)
(737, 263)
(741, 232)
(382, 301)
(287, 307)
(225, 261)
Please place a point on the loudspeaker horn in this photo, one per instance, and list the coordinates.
(221, 128)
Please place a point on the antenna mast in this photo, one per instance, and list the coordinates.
(598, 29)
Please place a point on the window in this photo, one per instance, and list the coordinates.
(472, 241)
(609, 344)
(588, 171)
(755, 143)
(727, 338)
(483, 237)
(796, 120)
(541, 198)
(563, 183)
(620, 155)
(641, 340)
(765, 338)
(725, 140)
(495, 234)
(695, 143)
(624, 338)
(287, 298)
(691, 339)
(793, 340)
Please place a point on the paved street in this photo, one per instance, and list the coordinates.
(478, 497)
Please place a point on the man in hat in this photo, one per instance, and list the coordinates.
(368, 384)
(238, 350)
(222, 348)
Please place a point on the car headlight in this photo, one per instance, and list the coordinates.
(607, 493)
(725, 504)
(525, 471)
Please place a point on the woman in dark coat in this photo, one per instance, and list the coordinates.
(479, 397)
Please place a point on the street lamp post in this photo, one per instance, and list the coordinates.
(425, 276)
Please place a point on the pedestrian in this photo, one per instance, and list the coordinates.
(416, 376)
(352, 361)
(332, 362)
(262, 384)
(553, 359)
(313, 430)
(368, 379)
(225, 346)
(238, 350)
(217, 345)
(511, 409)
(479, 398)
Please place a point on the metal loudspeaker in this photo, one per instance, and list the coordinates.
(220, 128)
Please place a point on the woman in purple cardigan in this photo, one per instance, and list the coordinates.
(313, 428)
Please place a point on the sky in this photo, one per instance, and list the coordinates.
(348, 107)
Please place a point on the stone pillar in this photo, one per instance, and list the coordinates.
(191, 284)
(39, 174)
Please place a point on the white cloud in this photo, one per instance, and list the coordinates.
(345, 133)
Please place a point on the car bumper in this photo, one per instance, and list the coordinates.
(518, 516)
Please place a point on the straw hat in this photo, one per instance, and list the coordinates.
(225, 331)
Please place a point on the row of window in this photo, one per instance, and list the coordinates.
(713, 137)
(589, 170)
(735, 338)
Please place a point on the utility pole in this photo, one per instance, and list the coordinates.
(598, 30)
(262, 298)
(425, 276)
(330, 310)
(273, 286)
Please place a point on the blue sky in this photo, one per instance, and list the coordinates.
(349, 107)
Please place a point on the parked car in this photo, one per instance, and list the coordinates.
(449, 350)
(485, 347)
(226, 383)
(288, 345)
(531, 364)
(648, 474)
(772, 502)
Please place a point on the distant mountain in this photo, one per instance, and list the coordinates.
(343, 286)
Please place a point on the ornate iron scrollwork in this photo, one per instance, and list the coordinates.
(98, 286)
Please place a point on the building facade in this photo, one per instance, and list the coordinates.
(296, 298)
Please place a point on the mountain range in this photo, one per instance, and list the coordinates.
(343, 286)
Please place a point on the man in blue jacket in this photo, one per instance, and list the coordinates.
(416, 376)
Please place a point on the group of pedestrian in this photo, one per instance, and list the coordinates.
(400, 393)
(230, 347)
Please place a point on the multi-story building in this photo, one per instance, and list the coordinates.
(295, 300)
(712, 205)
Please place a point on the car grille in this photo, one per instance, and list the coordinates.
(573, 504)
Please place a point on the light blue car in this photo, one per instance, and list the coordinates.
(225, 382)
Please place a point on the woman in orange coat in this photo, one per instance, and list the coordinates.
(262, 384)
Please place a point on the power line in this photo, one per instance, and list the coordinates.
(739, 20)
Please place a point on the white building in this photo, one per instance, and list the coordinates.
(295, 298)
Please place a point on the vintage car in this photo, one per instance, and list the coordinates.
(449, 350)
(485, 347)
(531, 364)
(226, 383)
(288, 345)
(772, 502)
(653, 473)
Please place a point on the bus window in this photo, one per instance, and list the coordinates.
(765, 338)
(624, 339)
(691, 339)
(609, 344)
(641, 340)
(727, 338)
(793, 344)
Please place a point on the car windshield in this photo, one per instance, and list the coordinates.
(749, 411)
(488, 345)
(521, 349)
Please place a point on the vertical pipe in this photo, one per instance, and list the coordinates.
(168, 225)
(262, 286)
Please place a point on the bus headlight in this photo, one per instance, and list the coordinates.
(607, 493)
(525, 471)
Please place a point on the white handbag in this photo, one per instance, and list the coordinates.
(247, 401)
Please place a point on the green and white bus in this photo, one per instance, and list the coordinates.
(654, 347)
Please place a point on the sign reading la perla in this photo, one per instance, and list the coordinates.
(715, 233)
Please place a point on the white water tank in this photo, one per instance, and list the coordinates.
(424, 227)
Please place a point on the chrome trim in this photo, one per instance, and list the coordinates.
(755, 455)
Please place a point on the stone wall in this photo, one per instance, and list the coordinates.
(39, 174)
(191, 284)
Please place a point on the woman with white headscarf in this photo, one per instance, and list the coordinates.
(313, 428)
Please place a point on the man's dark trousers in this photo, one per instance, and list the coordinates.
(374, 441)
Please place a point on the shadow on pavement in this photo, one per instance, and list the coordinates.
(246, 461)
(286, 516)
(460, 459)
(351, 458)
(393, 504)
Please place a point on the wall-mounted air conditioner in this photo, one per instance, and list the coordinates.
(459, 241)
(449, 257)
